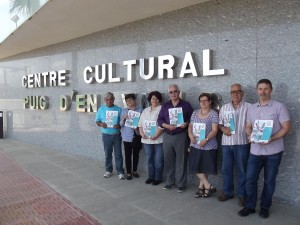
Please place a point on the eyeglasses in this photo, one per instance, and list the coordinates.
(203, 101)
(173, 92)
(236, 92)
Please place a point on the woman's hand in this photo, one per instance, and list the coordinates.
(193, 140)
(125, 117)
(203, 142)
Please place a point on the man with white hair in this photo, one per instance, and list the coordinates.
(108, 118)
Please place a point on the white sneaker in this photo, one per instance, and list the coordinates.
(121, 176)
(107, 174)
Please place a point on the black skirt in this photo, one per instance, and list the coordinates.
(203, 161)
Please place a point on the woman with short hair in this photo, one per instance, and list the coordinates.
(152, 138)
(203, 129)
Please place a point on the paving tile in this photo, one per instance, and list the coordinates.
(27, 200)
(111, 201)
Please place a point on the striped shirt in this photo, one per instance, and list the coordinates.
(239, 115)
(212, 118)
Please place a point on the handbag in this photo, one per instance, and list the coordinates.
(136, 141)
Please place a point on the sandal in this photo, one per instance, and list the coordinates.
(206, 193)
(212, 189)
(199, 193)
(209, 191)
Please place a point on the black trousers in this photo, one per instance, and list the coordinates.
(131, 151)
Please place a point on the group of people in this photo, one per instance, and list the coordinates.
(174, 135)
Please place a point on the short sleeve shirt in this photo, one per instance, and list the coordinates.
(239, 114)
(212, 118)
(101, 117)
(275, 111)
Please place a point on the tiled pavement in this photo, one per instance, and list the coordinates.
(27, 200)
(110, 201)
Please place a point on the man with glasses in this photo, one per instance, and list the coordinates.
(235, 145)
(108, 118)
(175, 138)
(266, 154)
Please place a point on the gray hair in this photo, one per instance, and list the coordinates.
(174, 85)
(237, 84)
(109, 95)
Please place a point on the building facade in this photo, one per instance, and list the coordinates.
(248, 39)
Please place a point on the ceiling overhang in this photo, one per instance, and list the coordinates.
(62, 20)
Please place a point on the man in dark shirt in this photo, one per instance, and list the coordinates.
(174, 118)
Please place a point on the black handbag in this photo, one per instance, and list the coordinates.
(136, 141)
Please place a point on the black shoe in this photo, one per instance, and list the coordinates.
(180, 189)
(168, 187)
(156, 182)
(149, 181)
(246, 211)
(135, 174)
(129, 177)
(264, 213)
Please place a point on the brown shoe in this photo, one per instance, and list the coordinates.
(223, 197)
(242, 201)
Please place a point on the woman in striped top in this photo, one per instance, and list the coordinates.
(203, 129)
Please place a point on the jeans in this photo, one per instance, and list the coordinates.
(270, 163)
(234, 154)
(113, 143)
(155, 160)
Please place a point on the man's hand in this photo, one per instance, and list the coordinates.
(226, 131)
(117, 126)
(169, 127)
(184, 125)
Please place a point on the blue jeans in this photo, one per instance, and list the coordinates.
(234, 154)
(113, 143)
(270, 163)
(155, 160)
